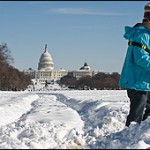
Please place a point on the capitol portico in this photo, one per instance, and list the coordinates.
(47, 73)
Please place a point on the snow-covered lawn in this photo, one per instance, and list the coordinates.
(64, 119)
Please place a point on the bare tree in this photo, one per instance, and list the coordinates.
(5, 54)
(10, 77)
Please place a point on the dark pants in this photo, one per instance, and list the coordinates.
(139, 106)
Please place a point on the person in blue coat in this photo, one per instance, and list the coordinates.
(135, 74)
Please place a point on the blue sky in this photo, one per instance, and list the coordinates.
(75, 32)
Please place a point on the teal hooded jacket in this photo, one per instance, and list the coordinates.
(135, 72)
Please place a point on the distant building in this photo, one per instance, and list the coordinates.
(46, 72)
(84, 71)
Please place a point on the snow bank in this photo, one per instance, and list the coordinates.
(14, 104)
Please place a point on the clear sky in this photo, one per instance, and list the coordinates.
(75, 32)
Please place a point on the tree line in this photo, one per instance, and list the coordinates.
(10, 77)
(100, 81)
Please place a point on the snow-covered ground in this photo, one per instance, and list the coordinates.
(69, 119)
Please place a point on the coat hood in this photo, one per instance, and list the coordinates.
(130, 31)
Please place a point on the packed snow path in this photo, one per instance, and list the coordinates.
(69, 119)
(41, 122)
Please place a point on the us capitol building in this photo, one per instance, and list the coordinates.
(47, 73)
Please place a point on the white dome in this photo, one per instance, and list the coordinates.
(46, 62)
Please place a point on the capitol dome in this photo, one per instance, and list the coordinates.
(46, 62)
